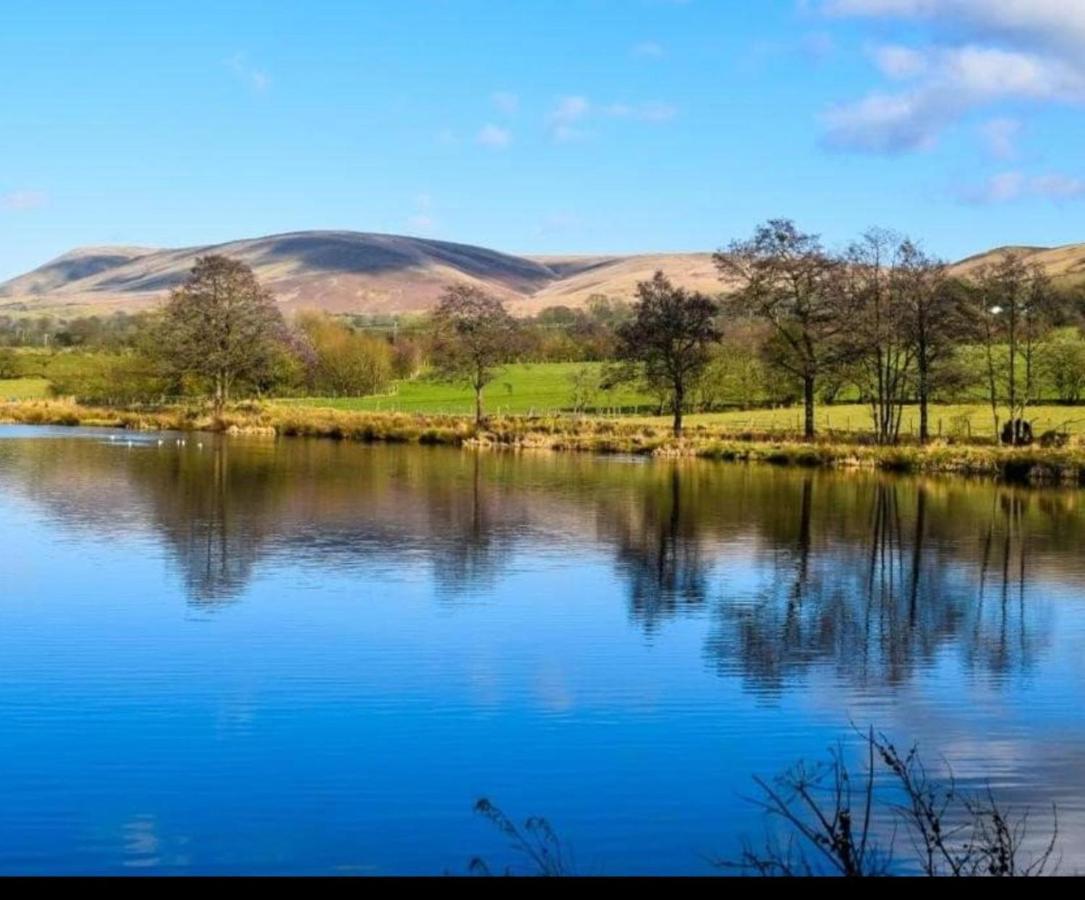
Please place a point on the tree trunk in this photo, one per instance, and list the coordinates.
(924, 423)
(679, 397)
(478, 406)
(808, 406)
(220, 394)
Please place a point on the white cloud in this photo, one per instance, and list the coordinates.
(644, 112)
(505, 102)
(23, 200)
(1058, 23)
(1000, 137)
(647, 50)
(1012, 186)
(947, 83)
(566, 118)
(570, 109)
(256, 78)
(886, 123)
(571, 114)
(494, 136)
(899, 62)
(982, 53)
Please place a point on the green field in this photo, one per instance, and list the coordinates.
(23, 388)
(541, 389)
(547, 389)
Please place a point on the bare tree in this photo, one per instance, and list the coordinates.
(222, 326)
(878, 339)
(474, 337)
(1011, 303)
(933, 322)
(670, 336)
(786, 278)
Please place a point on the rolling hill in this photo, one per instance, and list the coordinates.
(339, 271)
(344, 271)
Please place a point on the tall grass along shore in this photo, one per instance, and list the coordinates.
(1062, 465)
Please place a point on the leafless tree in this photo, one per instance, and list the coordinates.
(786, 278)
(878, 339)
(1011, 303)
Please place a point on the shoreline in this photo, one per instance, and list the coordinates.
(1023, 465)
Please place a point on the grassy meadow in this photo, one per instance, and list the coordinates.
(530, 389)
(546, 390)
(23, 388)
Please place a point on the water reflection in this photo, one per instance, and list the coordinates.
(658, 551)
(875, 576)
(401, 628)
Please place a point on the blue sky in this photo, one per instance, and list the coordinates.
(540, 125)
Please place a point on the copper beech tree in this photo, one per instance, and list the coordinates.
(222, 327)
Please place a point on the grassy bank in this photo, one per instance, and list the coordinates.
(563, 433)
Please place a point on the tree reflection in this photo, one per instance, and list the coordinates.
(659, 554)
(873, 578)
(215, 513)
(878, 621)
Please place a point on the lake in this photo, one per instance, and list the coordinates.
(268, 656)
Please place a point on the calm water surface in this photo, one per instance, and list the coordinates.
(310, 657)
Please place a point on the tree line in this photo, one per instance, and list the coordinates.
(881, 322)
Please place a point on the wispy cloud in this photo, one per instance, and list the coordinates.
(571, 115)
(647, 50)
(422, 218)
(494, 136)
(566, 117)
(1012, 186)
(23, 200)
(253, 76)
(1000, 137)
(505, 102)
(642, 112)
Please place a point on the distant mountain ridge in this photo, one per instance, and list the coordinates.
(355, 272)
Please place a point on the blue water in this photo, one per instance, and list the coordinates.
(260, 656)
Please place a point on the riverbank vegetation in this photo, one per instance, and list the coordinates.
(874, 345)
(640, 437)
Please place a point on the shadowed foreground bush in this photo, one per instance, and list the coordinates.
(835, 824)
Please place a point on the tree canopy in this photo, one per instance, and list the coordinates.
(220, 326)
(670, 335)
